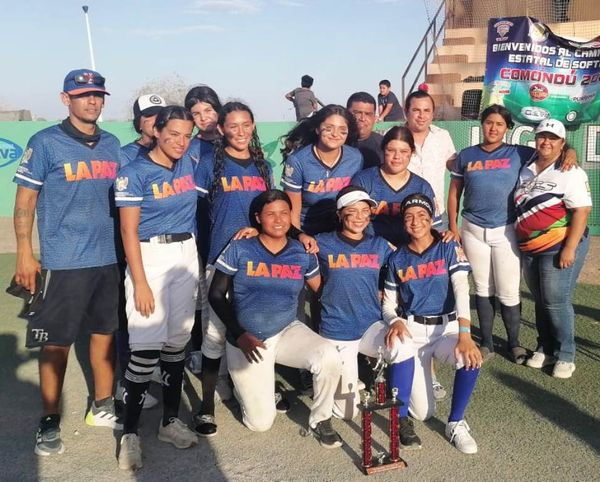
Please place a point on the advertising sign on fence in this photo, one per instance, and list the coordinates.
(536, 74)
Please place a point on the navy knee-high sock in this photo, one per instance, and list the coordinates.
(401, 377)
(511, 316)
(137, 378)
(464, 384)
(486, 310)
(172, 362)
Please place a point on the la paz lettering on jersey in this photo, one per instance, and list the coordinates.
(96, 169)
(333, 184)
(178, 186)
(423, 270)
(273, 270)
(353, 261)
(488, 164)
(243, 183)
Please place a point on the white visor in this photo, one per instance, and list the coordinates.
(353, 197)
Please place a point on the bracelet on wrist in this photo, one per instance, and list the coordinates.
(464, 329)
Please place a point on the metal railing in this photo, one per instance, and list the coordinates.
(426, 46)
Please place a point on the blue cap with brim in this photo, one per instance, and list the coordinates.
(81, 81)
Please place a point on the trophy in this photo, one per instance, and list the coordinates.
(380, 462)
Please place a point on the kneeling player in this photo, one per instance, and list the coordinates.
(429, 279)
(351, 261)
(265, 275)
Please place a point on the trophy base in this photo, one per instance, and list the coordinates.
(375, 469)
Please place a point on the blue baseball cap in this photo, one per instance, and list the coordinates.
(81, 81)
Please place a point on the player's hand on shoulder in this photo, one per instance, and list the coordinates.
(309, 243)
(25, 271)
(144, 299)
(468, 351)
(449, 235)
(397, 330)
(246, 233)
(249, 345)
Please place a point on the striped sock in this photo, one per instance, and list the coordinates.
(172, 362)
(137, 378)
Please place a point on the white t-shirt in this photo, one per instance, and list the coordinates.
(429, 162)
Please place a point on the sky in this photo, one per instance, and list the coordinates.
(249, 50)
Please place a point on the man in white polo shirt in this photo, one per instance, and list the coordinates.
(433, 147)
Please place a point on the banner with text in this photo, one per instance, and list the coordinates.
(536, 74)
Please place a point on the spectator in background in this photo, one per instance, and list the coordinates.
(389, 107)
(433, 147)
(362, 106)
(304, 99)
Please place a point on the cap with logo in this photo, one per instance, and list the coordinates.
(81, 81)
(148, 105)
(553, 126)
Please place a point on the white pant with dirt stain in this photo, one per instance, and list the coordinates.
(346, 395)
(295, 346)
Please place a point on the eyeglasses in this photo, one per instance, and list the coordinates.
(89, 78)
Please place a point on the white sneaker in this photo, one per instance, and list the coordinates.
(439, 392)
(458, 434)
(223, 390)
(194, 362)
(130, 453)
(540, 360)
(177, 433)
(150, 401)
(563, 369)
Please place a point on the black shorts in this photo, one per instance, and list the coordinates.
(72, 298)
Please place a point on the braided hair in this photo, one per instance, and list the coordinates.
(305, 132)
(256, 152)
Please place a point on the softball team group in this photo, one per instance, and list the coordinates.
(215, 254)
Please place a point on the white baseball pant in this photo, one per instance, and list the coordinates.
(346, 395)
(439, 342)
(172, 274)
(495, 261)
(295, 346)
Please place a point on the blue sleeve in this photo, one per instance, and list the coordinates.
(292, 178)
(459, 166)
(390, 275)
(129, 188)
(34, 165)
(525, 153)
(313, 267)
(203, 177)
(228, 259)
(456, 258)
(359, 180)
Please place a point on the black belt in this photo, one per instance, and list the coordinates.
(434, 320)
(168, 238)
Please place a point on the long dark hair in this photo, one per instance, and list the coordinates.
(305, 132)
(167, 113)
(256, 152)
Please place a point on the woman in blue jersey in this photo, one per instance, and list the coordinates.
(426, 298)
(318, 163)
(145, 109)
(156, 198)
(205, 105)
(351, 263)
(265, 275)
(487, 174)
(390, 183)
(229, 178)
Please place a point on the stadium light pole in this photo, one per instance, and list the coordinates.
(85, 9)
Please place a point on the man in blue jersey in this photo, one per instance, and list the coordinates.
(65, 176)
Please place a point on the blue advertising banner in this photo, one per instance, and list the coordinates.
(536, 74)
